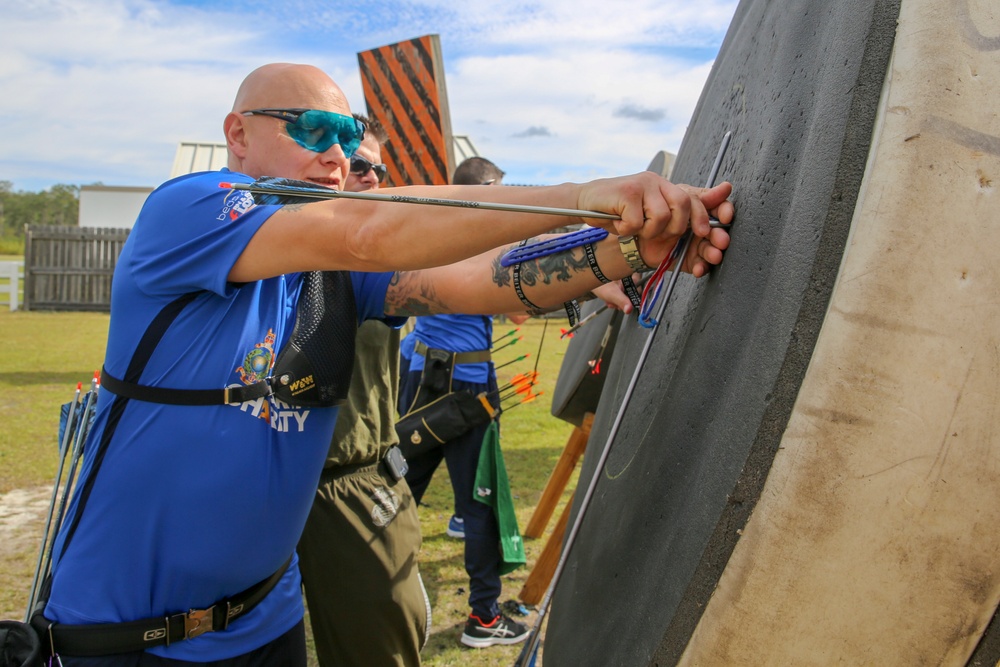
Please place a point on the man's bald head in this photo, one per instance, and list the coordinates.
(260, 145)
(290, 86)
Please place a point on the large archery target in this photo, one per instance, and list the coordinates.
(808, 471)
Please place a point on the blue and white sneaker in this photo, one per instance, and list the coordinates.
(456, 527)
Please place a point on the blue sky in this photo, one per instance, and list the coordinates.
(552, 91)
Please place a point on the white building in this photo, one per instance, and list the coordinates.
(118, 206)
(111, 205)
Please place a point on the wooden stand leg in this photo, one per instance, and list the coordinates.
(554, 488)
(541, 574)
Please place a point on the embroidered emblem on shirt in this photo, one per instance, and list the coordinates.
(386, 506)
(257, 364)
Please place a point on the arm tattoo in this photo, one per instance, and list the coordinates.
(561, 267)
(516, 279)
(411, 296)
(501, 274)
(564, 266)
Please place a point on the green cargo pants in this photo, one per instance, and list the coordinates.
(358, 558)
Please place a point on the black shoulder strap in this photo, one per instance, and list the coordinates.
(143, 351)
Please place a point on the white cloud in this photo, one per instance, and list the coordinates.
(103, 90)
(494, 100)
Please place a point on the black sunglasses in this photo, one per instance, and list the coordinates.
(360, 167)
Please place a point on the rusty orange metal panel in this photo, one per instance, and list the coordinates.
(404, 90)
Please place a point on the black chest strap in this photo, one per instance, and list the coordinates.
(313, 369)
(172, 396)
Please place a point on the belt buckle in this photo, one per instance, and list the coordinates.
(198, 622)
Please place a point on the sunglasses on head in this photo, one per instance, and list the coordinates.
(360, 167)
(318, 130)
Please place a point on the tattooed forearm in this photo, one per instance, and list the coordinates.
(409, 296)
(501, 274)
(531, 275)
(561, 267)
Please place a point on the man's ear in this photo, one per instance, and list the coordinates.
(236, 136)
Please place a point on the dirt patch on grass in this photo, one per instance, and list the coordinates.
(22, 518)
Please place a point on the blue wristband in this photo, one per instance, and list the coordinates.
(552, 246)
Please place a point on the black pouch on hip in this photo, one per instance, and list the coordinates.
(442, 419)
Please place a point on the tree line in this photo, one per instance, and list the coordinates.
(59, 205)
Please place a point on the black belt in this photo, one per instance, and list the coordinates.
(476, 357)
(382, 466)
(130, 636)
(335, 472)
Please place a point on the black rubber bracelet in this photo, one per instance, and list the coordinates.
(631, 291)
(572, 311)
(592, 260)
(517, 285)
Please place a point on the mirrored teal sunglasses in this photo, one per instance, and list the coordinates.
(318, 130)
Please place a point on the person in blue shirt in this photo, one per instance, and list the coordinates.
(212, 430)
(465, 334)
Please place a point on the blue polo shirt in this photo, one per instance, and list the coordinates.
(193, 504)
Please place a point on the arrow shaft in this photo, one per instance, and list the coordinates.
(326, 193)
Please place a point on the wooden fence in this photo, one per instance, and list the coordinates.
(70, 268)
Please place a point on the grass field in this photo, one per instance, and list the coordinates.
(49, 353)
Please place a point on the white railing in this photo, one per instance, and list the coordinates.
(11, 274)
